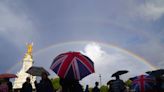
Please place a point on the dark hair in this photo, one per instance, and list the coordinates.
(28, 78)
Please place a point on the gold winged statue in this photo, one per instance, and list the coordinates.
(29, 48)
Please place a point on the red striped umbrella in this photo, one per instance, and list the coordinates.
(72, 65)
(7, 75)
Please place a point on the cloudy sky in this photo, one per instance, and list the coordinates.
(133, 25)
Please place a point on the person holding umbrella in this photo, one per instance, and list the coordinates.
(70, 85)
(71, 67)
(45, 84)
(76, 86)
(143, 83)
(117, 85)
(66, 87)
(157, 74)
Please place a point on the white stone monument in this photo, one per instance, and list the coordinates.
(22, 75)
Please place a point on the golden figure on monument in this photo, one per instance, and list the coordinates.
(29, 48)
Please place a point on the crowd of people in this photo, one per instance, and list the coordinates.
(67, 85)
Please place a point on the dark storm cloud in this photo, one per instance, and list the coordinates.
(131, 25)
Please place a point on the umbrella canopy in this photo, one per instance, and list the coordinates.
(72, 65)
(37, 71)
(143, 83)
(156, 73)
(7, 75)
(119, 73)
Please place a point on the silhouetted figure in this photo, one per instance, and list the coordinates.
(70, 85)
(96, 89)
(9, 84)
(117, 85)
(27, 87)
(159, 84)
(87, 88)
(76, 87)
(45, 84)
(66, 85)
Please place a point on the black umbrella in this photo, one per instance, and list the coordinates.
(156, 73)
(37, 71)
(119, 73)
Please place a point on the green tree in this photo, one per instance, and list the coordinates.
(90, 89)
(56, 83)
(128, 83)
(103, 88)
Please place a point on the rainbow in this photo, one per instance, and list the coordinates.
(141, 59)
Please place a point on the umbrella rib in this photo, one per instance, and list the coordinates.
(76, 69)
(67, 70)
(64, 66)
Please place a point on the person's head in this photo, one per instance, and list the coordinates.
(96, 83)
(28, 79)
(87, 86)
(44, 75)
